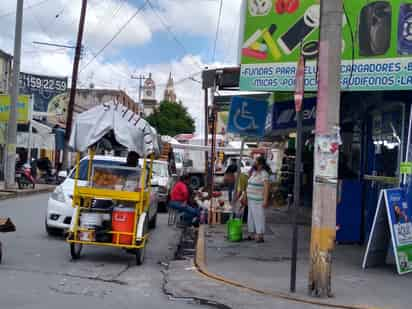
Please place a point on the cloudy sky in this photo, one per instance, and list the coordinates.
(170, 36)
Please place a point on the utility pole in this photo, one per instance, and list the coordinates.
(141, 78)
(10, 162)
(73, 88)
(327, 141)
(206, 133)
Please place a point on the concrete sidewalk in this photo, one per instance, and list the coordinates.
(13, 193)
(266, 267)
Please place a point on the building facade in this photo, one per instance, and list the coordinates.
(5, 71)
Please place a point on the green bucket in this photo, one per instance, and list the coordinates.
(234, 230)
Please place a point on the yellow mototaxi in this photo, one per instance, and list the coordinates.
(126, 223)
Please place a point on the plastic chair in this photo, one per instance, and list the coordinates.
(172, 216)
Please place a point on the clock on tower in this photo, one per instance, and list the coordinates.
(149, 89)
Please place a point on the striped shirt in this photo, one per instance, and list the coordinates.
(256, 188)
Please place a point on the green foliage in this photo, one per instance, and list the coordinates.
(172, 119)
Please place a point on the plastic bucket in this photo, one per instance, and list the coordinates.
(234, 230)
(123, 221)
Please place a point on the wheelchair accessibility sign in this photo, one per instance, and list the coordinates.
(247, 117)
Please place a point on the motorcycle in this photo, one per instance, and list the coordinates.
(24, 177)
(47, 175)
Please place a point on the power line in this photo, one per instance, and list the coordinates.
(42, 28)
(175, 38)
(217, 30)
(105, 17)
(26, 8)
(110, 65)
(184, 79)
(116, 34)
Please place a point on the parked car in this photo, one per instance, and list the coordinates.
(162, 182)
(59, 207)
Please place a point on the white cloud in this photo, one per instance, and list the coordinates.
(57, 21)
(187, 19)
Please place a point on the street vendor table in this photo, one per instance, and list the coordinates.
(216, 214)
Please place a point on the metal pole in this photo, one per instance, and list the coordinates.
(239, 168)
(74, 81)
(140, 78)
(408, 143)
(12, 124)
(140, 88)
(29, 141)
(299, 95)
(327, 142)
(206, 134)
(296, 201)
(213, 154)
(30, 131)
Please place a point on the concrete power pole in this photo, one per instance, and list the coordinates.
(73, 88)
(10, 161)
(326, 155)
(141, 78)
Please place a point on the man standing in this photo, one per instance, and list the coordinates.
(230, 177)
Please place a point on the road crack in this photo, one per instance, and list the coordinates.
(92, 278)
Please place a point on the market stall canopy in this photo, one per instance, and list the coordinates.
(192, 147)
(130, 129)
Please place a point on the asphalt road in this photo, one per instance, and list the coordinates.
(37, 271)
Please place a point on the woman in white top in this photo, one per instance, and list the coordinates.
(258, 200)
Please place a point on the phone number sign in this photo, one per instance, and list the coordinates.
(43, 89)
(43, 83)
(376, 50)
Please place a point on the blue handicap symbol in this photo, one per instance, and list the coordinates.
(244, 120)
(247, 116)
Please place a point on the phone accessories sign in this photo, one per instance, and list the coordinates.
(376, 45)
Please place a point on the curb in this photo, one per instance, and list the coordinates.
(200, 264)
(13, 194)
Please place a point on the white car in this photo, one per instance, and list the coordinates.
(163, 181)
(59, 208)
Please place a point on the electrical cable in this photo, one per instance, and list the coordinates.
(114, 14)
(118, 32)
(25, 8)
(219, 18)
(42, 28)
(175, 38)
(184, 79)
(110, 65)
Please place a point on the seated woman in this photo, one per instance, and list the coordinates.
(180, 198)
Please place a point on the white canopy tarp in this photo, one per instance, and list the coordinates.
(191, 147)
(130, 129)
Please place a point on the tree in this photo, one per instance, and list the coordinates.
(172, 119)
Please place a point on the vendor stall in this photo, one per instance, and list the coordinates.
(125, 223)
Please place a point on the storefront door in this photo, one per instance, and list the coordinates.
(382, 156)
